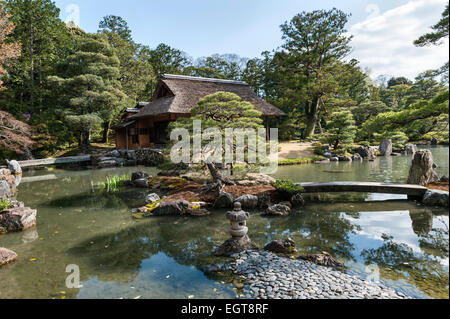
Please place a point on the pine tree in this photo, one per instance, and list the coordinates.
(342, 129)
(90, 92)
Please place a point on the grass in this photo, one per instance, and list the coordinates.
(299, 161)
(287, 186)
(114, 183)
(4, 204)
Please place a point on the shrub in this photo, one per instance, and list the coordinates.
(364, 143)
(4, 204)
(286, 185)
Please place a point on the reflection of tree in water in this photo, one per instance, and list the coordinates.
(422, 221)
(399, 261)
(436, 242)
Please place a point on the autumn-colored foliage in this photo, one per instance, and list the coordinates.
(14, 134)
(8, 51)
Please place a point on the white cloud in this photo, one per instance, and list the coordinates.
(384, 40)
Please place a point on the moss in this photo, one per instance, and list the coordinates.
(286, 185)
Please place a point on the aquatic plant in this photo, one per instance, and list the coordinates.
(114, 183)
(4, 204)
(286, 185)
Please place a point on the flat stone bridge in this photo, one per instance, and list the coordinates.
(54, 161)
(364, 187)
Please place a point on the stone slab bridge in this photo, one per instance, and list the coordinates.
(413, 191)
(54, 161)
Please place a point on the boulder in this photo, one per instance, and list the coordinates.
(225, 200)
(6, 256)
(140, 183)
(434, 141)
(5, 189)
(334, 159)
(139, 175)
(327, 155)
(297, 200)
(262, 179)
(410, 149)
(286, 246)
(14, 167)
(277, 210)
(248, 201)
(421, 171)
(108, 163)
(444, 179)
(114, 153)
(364, 151)
(234, 246)
(176, 208)
(436, 198)
(16, 219)
(386, 147)
(325, 161)
(344, 158)
(357, 157)
(152, 198)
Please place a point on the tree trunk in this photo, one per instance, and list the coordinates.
(106, 127)
(421, 172)
(312, 115)
(217, 175)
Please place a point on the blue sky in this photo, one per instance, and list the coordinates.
(383, 30)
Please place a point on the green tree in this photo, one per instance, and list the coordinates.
(135, 73)
(44, 39)
(341, 129)
(87, 81)
(228, 66)
(314, 44)
(362, 112)
(222, 110)
(440, 32)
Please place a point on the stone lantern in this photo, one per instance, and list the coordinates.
(238, 220)
(239, 241)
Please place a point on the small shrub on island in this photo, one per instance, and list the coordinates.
(4, 204)
(287, 186)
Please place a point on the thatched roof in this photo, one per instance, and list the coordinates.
(178, 94)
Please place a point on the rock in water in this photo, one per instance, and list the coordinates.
(297, 200)
(139, 175)
(14, 167)
(357, 157)
(277, 210)
(286, 246)
(16, 219)
(152, 198)
(234, 246)
(421, 171)
(176, 208)
(225, 200)
(248, 201)
(364, 151)
(6, 256)
(140, 183)
(436, 198)
(323, 259)
(434, 141)
(410, 149)
(386, 147)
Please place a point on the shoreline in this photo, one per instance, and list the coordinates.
(270, 276)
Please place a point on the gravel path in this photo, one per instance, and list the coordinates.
(274, 277)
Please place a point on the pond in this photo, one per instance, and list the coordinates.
(379, 237)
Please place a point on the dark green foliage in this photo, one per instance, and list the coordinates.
(341, 129)
(286, 185)
(440, 32)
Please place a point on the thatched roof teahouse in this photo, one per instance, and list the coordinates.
(175, 95)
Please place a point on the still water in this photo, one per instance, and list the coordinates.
(379, 237)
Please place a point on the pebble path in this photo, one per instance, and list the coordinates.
(270, 276)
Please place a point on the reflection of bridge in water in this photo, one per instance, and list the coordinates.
(365, 187)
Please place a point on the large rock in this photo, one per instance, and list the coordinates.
(421, 171)
(262, 179)
(248, 201)
(344, 158)
(297, 200)
(410, 149)
(286, 246)
(386, 147)
(107, 163)
(6, 256)
(278, 210)
(436, 198)
(5, 189)
(14, 167)
(139, 175)
(176, 208)
(234, 246)
(150, 157)
(16, 219)
(357, 157)
(140, 183)
(434, 141)
(152, 198)
(364, 151)
(225, 200)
